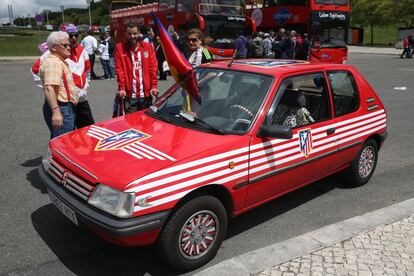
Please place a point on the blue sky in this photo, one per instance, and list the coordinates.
(25, 7)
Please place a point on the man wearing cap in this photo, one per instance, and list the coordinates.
(136, 68)
(61, 94)
(79, 65)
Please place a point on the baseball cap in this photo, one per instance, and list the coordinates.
(69, 28)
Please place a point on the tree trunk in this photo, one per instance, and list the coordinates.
(372, 34)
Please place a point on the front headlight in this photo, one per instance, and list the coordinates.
(46, 159)
(113, 201)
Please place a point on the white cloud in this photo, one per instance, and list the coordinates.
(25, 7)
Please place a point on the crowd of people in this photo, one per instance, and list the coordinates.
(66, 67)
(283, 44)
(408, 47)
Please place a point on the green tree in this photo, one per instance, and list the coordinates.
(404, 11)
(373, 13)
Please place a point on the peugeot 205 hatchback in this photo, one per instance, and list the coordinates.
(228, 138)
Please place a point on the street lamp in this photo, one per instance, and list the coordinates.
(63, 13)
(88, 2)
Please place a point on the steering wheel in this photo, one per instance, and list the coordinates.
(237, 110)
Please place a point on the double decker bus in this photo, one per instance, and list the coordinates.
(326, 22)
(220, 20)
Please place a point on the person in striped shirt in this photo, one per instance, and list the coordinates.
(136, 68)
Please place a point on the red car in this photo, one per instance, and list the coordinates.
(230, 137)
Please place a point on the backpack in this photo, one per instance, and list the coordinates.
(255, 48)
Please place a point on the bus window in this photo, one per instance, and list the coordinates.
(332, 2)
(166, 4)
(185, 6)
(272, 3)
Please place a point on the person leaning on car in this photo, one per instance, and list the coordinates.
(60, 90)
(136, 69)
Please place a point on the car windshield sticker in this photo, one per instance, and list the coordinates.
(269, 63)
(128, 141)
(305, 141)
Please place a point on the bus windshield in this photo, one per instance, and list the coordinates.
(332, 2)
(117, 5)
(330, 36)
(221, 33)
(223, 7)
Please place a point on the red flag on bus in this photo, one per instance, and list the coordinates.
(178, 64)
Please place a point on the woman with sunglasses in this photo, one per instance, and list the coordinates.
(196, 53)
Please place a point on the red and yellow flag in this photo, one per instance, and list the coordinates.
(178, 64)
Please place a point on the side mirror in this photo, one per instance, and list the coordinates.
(275, 132)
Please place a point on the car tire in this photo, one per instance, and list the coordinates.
(193, 234)
(363, 165)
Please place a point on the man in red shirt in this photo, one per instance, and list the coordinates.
(136, 69)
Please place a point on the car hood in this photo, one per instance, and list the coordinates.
(121, 150)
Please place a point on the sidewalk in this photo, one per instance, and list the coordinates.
(374, 50)
(376, 243)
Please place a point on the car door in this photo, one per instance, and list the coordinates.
(302, 103)
(353, 122)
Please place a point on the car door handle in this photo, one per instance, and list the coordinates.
(330, 131)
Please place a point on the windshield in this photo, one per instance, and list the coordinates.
(332, 2)
(222, 33)
(214, 100)
(329, 37)
(117, 5)
(223, 7)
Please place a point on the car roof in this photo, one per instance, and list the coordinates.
(274, 67)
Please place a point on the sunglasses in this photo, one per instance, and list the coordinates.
(66, 45)
(192, 39)
(73, 35)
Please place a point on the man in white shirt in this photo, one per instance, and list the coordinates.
(90, 44)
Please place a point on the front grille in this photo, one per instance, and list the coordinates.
(72, 182)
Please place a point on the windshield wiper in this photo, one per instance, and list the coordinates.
(199, 122)
(160, 113)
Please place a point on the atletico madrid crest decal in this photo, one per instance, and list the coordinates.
(121, 140)
(305, 141)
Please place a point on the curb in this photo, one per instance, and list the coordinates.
(265, 258)
(27, 58)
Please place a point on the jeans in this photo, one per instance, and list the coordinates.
(68, 113)
(111, 67)
(83, 115)
(92, 61)
(105, 67)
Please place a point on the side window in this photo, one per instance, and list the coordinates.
(344, 92)
(301, 100)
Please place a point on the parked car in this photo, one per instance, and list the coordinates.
(228, 138)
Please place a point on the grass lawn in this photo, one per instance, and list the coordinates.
(385, 36)
(24, 43)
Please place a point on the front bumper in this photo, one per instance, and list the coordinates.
(96, 219)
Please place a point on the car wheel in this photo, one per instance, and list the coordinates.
(193, 234)
(364, 164)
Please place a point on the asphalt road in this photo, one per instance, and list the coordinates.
(35, 239)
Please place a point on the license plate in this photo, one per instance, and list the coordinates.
(69, 213)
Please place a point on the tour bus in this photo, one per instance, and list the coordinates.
(326, 22)
(220, 20)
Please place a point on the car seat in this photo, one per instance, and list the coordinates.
(291, 110)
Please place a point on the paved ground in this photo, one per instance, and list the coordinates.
(376, 243)
(385, 250)
(35, 239)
